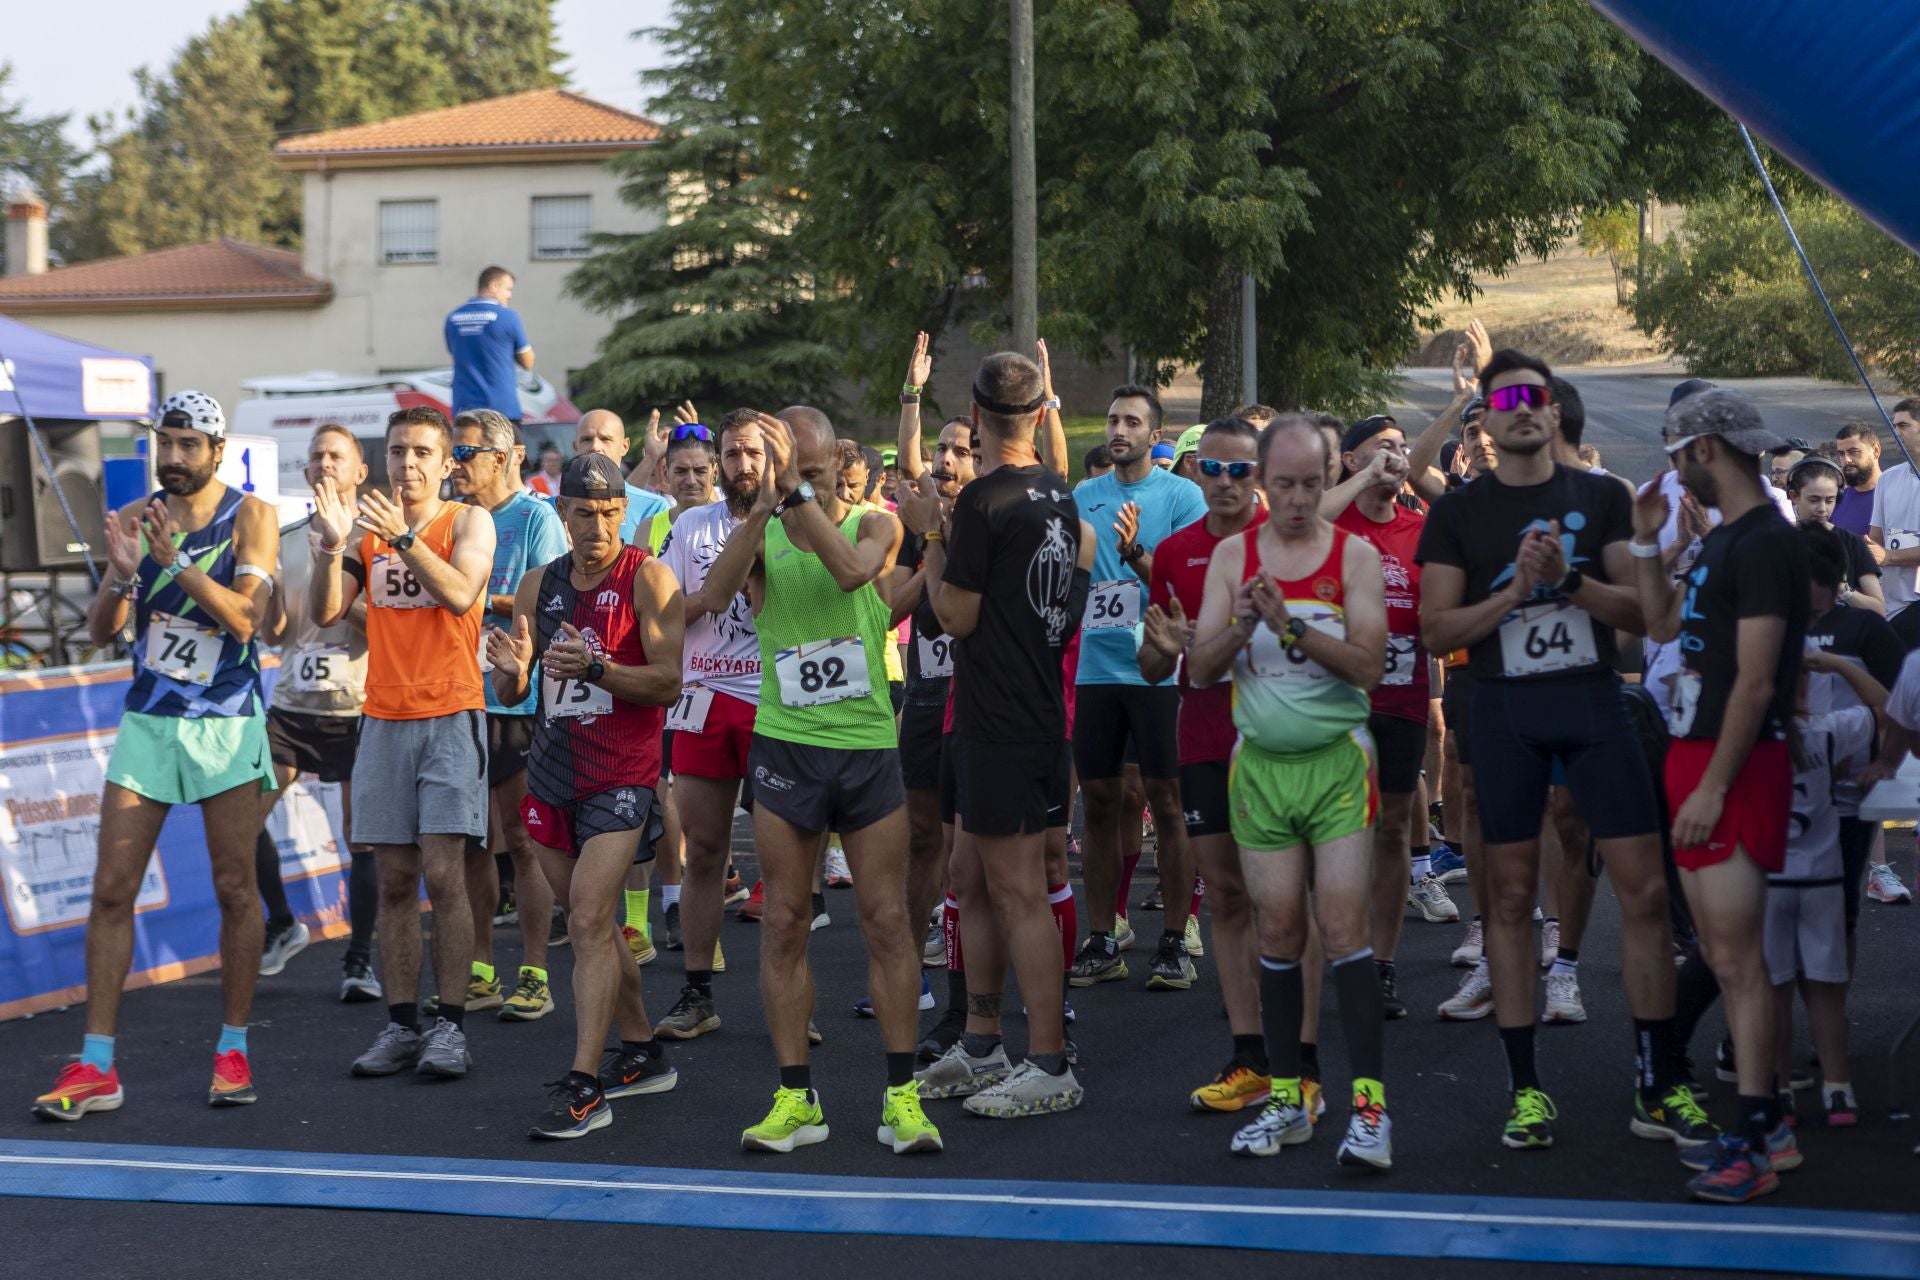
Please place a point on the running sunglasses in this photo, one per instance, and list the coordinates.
(1211, 467)
(468, 452)
(692, 431)
(1509, 398)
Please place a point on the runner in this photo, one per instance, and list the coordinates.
(606, 620)
(601, 431)
(313, 724)
(1519, 567)
(824, 758)
(1131, 509)
(1294, 612)
(1740, 623)
(526, 532)
(417, 794)
(195, 564)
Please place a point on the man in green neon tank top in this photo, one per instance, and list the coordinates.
(824, 757)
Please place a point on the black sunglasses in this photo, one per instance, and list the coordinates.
(467, 452)
(1235, 470)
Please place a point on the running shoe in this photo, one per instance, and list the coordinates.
(79, 1088)
(482, 993)
(1473, 1001)
(1153, 901)
(692, 1015)
(357, 983)
(395, 1049)
(1783, 1149)
(670, 925)
(557, 935)
(232, 1081)
(282, 945)
(1313, 1097)
(1073, 846)
(933, 952)
(719, 957)
(903, 1122)
(1122, 934)
(1549, 943)
(1448, 866)
(1390, 990)
(1530, 1123)
(1789, 1116)
(1472, 948)
(1279, 1124)
(531, 1000)
(1883, 885)
(1149, 838)
(735, 889)
(945, 1034)
(838, 875)
(1369, 1140)
(1172, 970)
(626, 1075)
(1563, 999)
(443, 1052)
(1095, 963)
(813, 1033)
(1190, 939)
(507, 912)
(1029, 1091)
(575, 1108)
(956, 1075)
(639, 945)
(820, 917)
(755, 904)
(1842, 1111)
(1727, 1072)
(1736, 1174)
(1237, 1086)
(1684, 1075)
(795, 1121)
(1677, 1118)
(863, 1007)
(1429, 898)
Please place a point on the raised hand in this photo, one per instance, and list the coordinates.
(1046, 367)
(511, 653)
(382, 516)
(918, 504)
(1482, 345)
(783, 463)
(1463, 371)
(1168, 629)
(684, 413)
(157, 523)
(1127, 526)
(123, 548)
(920, 363)
(332, 517)
(1650, 513)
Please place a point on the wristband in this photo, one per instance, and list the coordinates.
(1644, 550)
(125, 589)
(933, 535)
(1051, 402)
(333, 551)
(908, 389)
(907, 399)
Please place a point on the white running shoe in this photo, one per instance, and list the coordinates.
(1563, 999)
(1549, 942)
(1279, 1124)
(1191, 939)
(1369, 1139)
(837, 874)
(292, 940)
(955, 1075)
(1883, 885)
(1429, 898)
(1029, 1091)
(1474, 999)
(1472, 948)
(1122, 934)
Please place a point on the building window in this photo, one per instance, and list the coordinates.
(409, 231)
(561, 225)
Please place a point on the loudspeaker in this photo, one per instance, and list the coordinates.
(34, 533)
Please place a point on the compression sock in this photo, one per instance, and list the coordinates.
(1309, 1060)
(800, 1077)
(1199, 892)
(266, 870)
(637, 909)
(363, 904)
(1694, 991)
(956, 958)
(899, 1069)
(1127, 866)
(1654, 1055)
(669, 896)
(1066, 919)
(232, 1040)
(1251, 1051)
(97, 1052)
(1283, 1001)
(1422, 861)
(1521, 1072)
(1363, 1014)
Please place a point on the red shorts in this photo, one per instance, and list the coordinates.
(1757, 810)
(719, 750)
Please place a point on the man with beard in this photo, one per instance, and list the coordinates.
(1857, 448)
(1894, 526)
(712, 723)
(195, 565)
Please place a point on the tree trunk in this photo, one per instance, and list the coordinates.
(1220, 357)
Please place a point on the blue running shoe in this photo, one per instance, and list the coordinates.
(863, 1007)
(1448, 866)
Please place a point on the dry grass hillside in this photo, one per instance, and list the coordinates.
(1561, 309)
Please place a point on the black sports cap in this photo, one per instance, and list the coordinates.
(592, 475)
(1366, 429)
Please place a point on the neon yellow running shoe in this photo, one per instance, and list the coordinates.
(531, 1000)
(719, 958)
(795, 1121)
(903, 1125)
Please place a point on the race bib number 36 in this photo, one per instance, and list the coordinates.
(1113, 603)
(813, 675)
(394, 586)
(689, 714)
(1543, 638)
(568, 699)
(936, 656)
(179, 650)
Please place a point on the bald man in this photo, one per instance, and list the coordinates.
(601, 431)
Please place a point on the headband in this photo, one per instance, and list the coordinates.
(991, 405)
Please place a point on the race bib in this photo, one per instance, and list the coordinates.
(813, 675)
(936, 656)
(320, 668)
(1269, 657)
(1902, 539)
(179, 650)
(1403, 658)
(485, 665)
(689, 714)
(1683, 703)
(1542, 638)
(1111, 605)
(569, 699)
(393, 584)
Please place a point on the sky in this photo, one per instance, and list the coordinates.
(79, 56)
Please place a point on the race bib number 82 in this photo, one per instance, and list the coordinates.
(813, 675)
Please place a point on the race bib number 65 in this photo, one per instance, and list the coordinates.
(813, 675)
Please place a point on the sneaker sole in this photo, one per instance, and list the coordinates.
(1288, 1139)
(1053, 1104)
(1454, 876)
(1525, 1142)
(1114, 974)
(691, 1033)
(1159, 982)
(652, 1084)
(646, 957)
(1124, 943)
(1660, 1133)
(1433, 918)
(1395, 1012)
(1464, 961)
(484, 1003)
(438, 1071)
(510, 1013)
(412, 1064)
(359, 995)
(1763, 1188)
(1473, 1015)
(1353, 1158)
(924, 1142)
(805, 1136)
(1228, 1105)
(1563, 1017)
(600, 1119)
(238, 1098)
(51, 1111)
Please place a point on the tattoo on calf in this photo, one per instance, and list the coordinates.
(984, 1006)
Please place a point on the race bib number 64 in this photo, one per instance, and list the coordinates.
(1543, 638)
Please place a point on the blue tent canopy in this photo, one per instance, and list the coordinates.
(56, 377)
(1833, 85)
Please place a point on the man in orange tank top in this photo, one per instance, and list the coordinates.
(419, 782)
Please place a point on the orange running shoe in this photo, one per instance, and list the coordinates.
(78, 1089)
(756, 904)
(232, 1081)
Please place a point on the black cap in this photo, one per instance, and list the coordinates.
(592, 475)
(1366, 429)
(1691, 387)
(1476, 405)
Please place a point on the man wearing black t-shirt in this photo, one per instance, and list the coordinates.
(1740, 619)
(1010, 594)
(1527, 569)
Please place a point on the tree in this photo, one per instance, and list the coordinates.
(35, 153)
(714, 304)
(1613, 230)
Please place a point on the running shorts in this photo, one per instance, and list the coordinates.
(176, 760)
(509, 742)
(1806, 932)
(719, 749)
(568, 827)
(307, 743)
(920, 747)
(1010, 788)
(1401, 746)
(1757, 810)
(416, 778)
(1203, 794)
(1281, 802)
(1456, 706)
(1108, 718)
(1520, 729)
(825, 788)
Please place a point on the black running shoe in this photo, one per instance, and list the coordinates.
(945, 1034)
(1171, 970)
(624, 1074)
(557, 934)
(692, 1015)
(671, 925)
(574, 1109)
(1390, 990)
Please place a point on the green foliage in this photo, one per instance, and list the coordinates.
(1612, 230)
(1729, 297)
(34, 150)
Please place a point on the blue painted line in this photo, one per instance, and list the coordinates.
(1750, 1238)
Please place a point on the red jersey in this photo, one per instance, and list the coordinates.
(585, 740)
(1403, 691)
(1180, 571)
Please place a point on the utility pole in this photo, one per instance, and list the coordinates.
(1026, 302)
(1249, 344)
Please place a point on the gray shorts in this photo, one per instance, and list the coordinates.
(420, 777)
(1806, 933)
(824, 788)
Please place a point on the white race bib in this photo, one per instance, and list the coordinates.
(689, 714)
(1683, 703)
(179, 650)
(485, 665)
(320, 668)
(936, 656)
(1541, 638)
(1902, 539)
(1403, 658)
(568, 699)
(813, 675)
(393, 584)
(1270, 658)
(1112, 604)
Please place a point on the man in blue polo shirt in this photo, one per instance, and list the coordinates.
(486, 339)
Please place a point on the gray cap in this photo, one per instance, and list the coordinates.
(1723, 412)
(592, 475)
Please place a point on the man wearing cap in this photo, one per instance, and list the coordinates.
(1186, 454)
(601, 431)
(194, 565)
(1740, 619)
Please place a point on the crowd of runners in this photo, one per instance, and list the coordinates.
(1324, 669)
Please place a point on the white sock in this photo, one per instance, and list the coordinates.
(1563, 965)
(1422, 867)
(669, 894)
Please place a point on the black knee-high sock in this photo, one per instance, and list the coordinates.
(1694, 991)
(1283, 1002)
(1521, 1071)
(1363, 1012)
(363, 904)
(266, 869)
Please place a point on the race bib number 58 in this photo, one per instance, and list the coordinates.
(394, 586)
(813, 675)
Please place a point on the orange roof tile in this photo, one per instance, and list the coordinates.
(531, 125)
(218, 273)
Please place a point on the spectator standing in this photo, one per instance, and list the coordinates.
(1857, 449)
(486, 340)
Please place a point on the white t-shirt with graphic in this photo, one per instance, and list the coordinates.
(722, 650)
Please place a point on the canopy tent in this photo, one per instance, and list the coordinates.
(1833, 85)
(47, 376)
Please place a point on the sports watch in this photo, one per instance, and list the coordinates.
(183, 562)
(802, 492)
(1295, 628)
(595, 670)
(402, 542)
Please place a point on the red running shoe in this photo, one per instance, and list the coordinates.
(78, 1089)
(232, 1081)
(756, 904)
